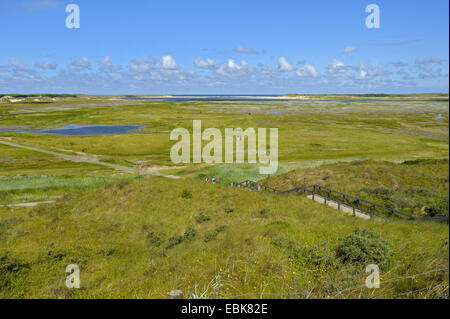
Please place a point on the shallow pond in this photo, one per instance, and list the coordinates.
(76, 130)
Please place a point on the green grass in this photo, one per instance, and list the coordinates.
(34, 188)
(308, 130)
(106, 232)
(143, 237)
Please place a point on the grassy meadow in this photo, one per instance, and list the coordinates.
(141, 237)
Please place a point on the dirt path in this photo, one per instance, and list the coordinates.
(32, 204)
(79, 158)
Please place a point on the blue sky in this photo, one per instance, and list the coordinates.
(223, 47)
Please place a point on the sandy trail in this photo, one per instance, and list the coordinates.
(85, 159)
(31, 204)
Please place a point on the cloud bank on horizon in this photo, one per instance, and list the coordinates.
(193, 48)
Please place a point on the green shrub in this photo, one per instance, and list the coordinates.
(363, 246)
(186, 194)
(229, 210)
(264, 212)
(438, 207)
(315, 256)
(8, 266)
(381, 192)
(213, 233)
(9, 263)
(174, 240)
(10, 222)
(189, 234)
(154, 239)
(444, 244)
(201, 218)
(283, 242)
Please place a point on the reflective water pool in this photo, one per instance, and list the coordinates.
(75, 129)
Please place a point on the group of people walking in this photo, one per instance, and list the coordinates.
(212, 179)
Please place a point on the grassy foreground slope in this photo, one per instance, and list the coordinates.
(144, 238)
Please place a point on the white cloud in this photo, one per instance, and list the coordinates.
(80, 64)
(336, 69)
(168, 63)
(429, 60)
(141, 65)
(46, 65)
(39, 5)
(283, 65)
(205, 64)
(232, 65)
(232, 69)
(17, 64)
(425, 63)
(106, 65)
(148, 74)
(4, 68)
(362, 74)
(307, 70)
(349, 50)
(241, 49)
(399, 64)
(426, 67)
(335, 64)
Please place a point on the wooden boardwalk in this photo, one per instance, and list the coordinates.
(347, 203)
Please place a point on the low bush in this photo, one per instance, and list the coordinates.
(154, 239)
(174, 240)
(363, 246)
(438, 207)
(201, 218)
(189, 234)
(264, 212)
(213, 233)
(186, 194)
(9, 265)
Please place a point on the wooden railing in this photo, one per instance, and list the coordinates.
(341, 199)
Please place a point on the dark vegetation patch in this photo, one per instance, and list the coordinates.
(189, 234)
(264, 212)
(10, 266)
(315, 256)
(211, 235)
(186, 194)
(364, 246)
(202, 218)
